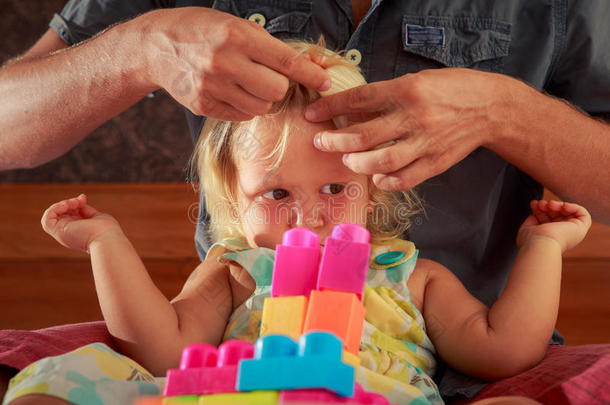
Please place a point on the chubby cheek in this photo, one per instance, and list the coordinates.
(347, 210)
(264, 225)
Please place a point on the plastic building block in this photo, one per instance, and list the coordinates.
(338, 312)
(351, 359)
(280, 363)
(316, 396)
(206, 370)
(345, 260)
(182, 400)
(284, 316)
(242, 398)
(148, 400)
(297, 260)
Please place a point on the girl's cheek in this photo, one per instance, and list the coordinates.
(256, 214)
(344, 209)
(265, 218)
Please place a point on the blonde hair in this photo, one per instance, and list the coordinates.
(221, 141)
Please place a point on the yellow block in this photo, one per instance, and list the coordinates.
(241, 398)
(352, 360)
(182, 400)
(283, 315)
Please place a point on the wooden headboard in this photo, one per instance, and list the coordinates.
(43, 284)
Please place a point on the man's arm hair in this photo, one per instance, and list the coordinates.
(55, 95)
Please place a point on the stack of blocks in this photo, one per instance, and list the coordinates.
(310, 333)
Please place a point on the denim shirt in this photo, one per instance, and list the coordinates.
(474, 209)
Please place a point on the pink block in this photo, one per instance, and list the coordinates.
(206, 370)
(320, 396)
(345, 260)
(297, 259)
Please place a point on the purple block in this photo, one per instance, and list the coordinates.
(206, 370)
(345, 260)
(321, 396)
(297, 259)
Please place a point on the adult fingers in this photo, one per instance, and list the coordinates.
(279, 56)
(367, 135)
(210, 107)
(240, 99)
(408, 177)
(366, 98)
(388, 159)
(262, 82)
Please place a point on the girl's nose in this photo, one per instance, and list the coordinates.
(311, 217)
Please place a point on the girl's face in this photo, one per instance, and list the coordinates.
(310, 188)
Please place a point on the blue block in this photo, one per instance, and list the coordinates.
(282, 364)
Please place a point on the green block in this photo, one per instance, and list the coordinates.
(182, 400)
(241, 398)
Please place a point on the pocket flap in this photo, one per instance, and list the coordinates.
(455, 41)
(292, 22)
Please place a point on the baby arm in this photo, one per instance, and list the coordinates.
(513, 335)
(144, 324)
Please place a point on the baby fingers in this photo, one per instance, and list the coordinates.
(88, 211)
(68, 207)
(540, 210)
(553, 211)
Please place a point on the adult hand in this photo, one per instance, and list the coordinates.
(219, 65)
(421, 124)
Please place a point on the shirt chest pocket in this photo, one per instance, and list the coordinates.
(282, 19)
(434, 41)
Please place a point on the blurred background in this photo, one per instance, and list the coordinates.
(147, 143)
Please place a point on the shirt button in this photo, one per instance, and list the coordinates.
(353, 56)
(389, 257)
(258, 18)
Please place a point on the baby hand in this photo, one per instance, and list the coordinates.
(566, 223)
(74, 224)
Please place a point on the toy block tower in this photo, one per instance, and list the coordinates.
(310, 328)
(336, 304)
(295, 273)
(307, 295)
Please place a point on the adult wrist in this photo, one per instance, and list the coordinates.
(511, 116)
(132, 43)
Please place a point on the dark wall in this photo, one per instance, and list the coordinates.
(148, 142)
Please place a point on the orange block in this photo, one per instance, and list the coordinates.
(149, 401)
(341, 313)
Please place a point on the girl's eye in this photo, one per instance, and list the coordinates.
(332, 188)
(276, 194)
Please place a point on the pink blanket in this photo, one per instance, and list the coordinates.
(18, 348)
(567, 375)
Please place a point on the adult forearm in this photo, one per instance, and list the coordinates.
(50, 103)
(563, 149)
(140, 318)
